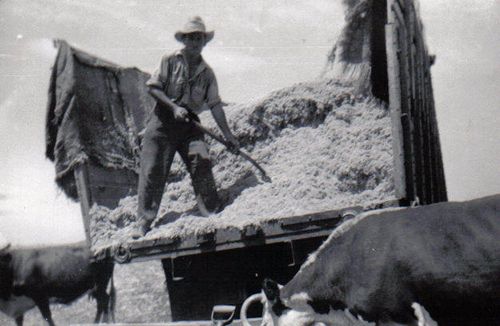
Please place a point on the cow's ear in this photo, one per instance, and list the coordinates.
(271, 290)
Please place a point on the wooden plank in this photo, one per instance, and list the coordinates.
(101, 175)
(158, 252)
(109, 186)
(423, 73)
(406, 111)
(422, 155)
(433, 181)
(422, 110)
(433, 152)
(434, 162)
(395, 109)
(85, 196)
(391, 19)
(416, 102)
(428, 162)
(110, 196)
(425, 130)
(416, 119)
(233, 238)
(440, 181)
(402, 4)
(397, 13)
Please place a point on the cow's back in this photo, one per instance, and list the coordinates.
(451, 241)
(435, 239)
(62, 272)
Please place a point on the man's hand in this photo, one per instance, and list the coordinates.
(181, 114)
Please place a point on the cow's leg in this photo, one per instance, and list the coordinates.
(104, 272)
(19, 320)
(42, 303)
(102, 308)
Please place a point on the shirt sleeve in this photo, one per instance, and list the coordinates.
(213, 97)
(160, 76)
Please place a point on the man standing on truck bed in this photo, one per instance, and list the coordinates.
(181, 86)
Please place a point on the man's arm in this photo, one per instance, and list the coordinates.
(179, 112)
(220, 118)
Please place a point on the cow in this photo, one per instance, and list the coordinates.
(379, 266)
(32, 277)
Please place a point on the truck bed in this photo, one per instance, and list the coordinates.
(324, 149)
(271, 231)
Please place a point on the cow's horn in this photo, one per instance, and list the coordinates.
(244, 307)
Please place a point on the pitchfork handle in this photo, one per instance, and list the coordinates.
(228, 145)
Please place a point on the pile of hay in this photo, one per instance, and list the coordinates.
(323, 146)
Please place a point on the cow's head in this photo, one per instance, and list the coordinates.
(301, 310)
(5, 268)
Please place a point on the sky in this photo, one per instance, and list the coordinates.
(259, 46)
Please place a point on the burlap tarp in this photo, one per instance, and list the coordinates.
(95, 112)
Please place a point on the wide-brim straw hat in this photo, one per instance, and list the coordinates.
(194, 25)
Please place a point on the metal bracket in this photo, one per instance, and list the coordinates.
(292, 255)
(206, 239)
(348, 214)
(223, 314)
(179, 267)
(252, 232)
(122, 253)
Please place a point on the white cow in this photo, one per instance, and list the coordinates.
(376, 267)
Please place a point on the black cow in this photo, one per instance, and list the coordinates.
(61, 274)
(444, 256)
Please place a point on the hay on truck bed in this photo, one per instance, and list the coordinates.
(323, 148)
(326, 145)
